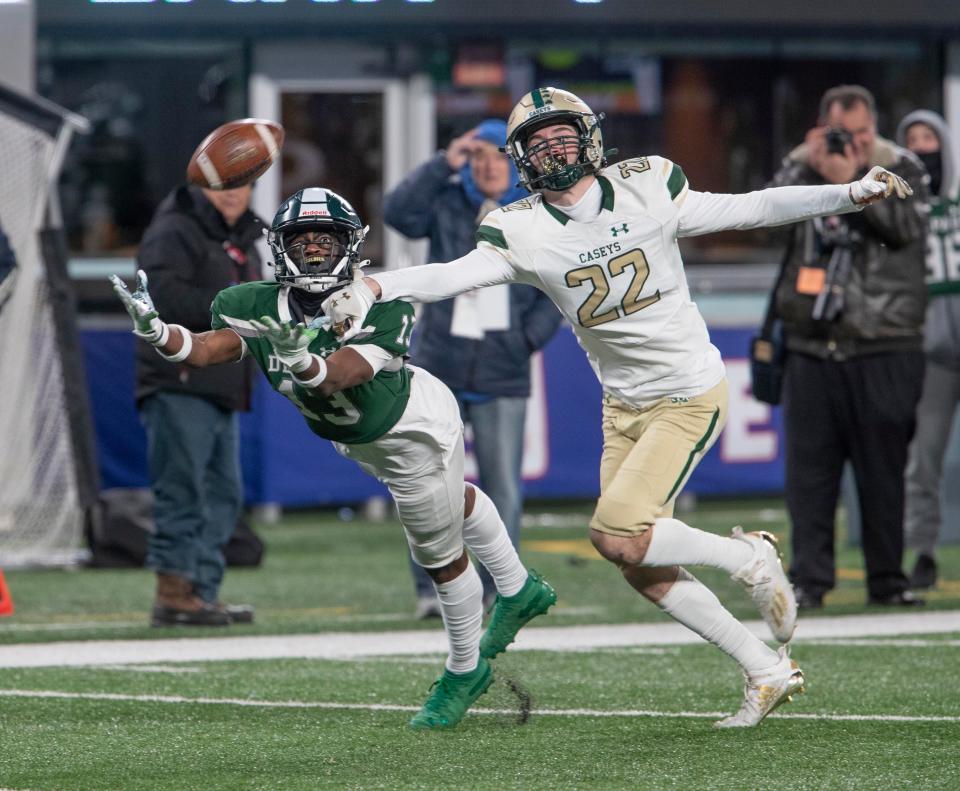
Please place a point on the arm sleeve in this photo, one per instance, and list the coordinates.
(434, 282)
(706, 212)
(408, 207)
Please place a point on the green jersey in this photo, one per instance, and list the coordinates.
(943, 247)
(354, 415)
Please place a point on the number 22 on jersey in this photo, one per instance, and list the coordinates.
(600, 278)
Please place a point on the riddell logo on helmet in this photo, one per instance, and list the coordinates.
(315, 213)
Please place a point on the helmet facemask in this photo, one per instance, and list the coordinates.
(550, 160)
(315, 240)
(316, 258)
(557, 163)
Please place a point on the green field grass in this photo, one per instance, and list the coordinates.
(321, 573)
(877, 713)
(182, 743)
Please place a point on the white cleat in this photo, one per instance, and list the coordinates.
(769, 587)
(763, 692)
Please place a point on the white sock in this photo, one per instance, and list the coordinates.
(461, 605)
(673, 543)
(486, 537)
(694, 605)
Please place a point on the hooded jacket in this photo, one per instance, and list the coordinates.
(885, 295)
(190, 255)
(434, 202)
(942, 331)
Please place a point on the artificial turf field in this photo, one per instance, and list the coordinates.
(879, 712)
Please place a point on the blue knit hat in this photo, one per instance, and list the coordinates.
(492, 130)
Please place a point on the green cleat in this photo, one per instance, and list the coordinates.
(510, 613)
(450, 697)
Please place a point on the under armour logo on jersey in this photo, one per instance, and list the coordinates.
(616, 230)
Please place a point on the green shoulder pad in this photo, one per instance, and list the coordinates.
(389, 326)
(234, 307)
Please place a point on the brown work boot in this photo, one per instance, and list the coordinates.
(238, 613)
(177, 605)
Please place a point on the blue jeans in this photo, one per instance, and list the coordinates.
(498, 446)
(192, 448)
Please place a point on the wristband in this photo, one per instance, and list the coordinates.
(316, 380)
(301, 364)
(180, 356)
(161, 340)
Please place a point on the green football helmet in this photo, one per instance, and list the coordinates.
(315, 239)
(545, 107)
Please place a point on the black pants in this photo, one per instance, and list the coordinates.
(861, 409)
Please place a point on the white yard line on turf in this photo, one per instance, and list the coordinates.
(303, 704)
(349, 645)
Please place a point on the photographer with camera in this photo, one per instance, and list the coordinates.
(851, 300)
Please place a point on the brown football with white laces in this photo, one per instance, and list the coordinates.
(235, 154)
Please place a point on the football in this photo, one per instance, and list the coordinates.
(237, 153)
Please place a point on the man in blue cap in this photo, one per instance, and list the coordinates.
(479, 344)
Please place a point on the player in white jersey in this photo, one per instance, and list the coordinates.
(601, 241)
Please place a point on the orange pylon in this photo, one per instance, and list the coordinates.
(6, 601)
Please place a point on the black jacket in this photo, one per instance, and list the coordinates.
(885, 294)
(431, 203)
(184, 253)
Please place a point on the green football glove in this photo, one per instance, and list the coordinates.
(289, 341)
(139, 304)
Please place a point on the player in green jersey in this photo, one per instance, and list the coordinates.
(398, 422)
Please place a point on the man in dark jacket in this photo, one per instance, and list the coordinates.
(852, 301)
(199, 242)
(480, 343)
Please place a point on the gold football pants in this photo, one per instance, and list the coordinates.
(648, 455)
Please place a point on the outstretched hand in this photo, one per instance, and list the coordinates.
(290, 341)
(139, 304)
(878, 184)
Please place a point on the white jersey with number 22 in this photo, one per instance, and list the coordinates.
(618, 278)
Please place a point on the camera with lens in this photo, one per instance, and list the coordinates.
(837, 139)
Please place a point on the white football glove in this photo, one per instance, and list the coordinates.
(348, 307)
(289, 341)
(877, 185)
(139, 304)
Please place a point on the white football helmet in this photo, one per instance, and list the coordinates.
(547, 106)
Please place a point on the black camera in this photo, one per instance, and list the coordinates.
(837, 139)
